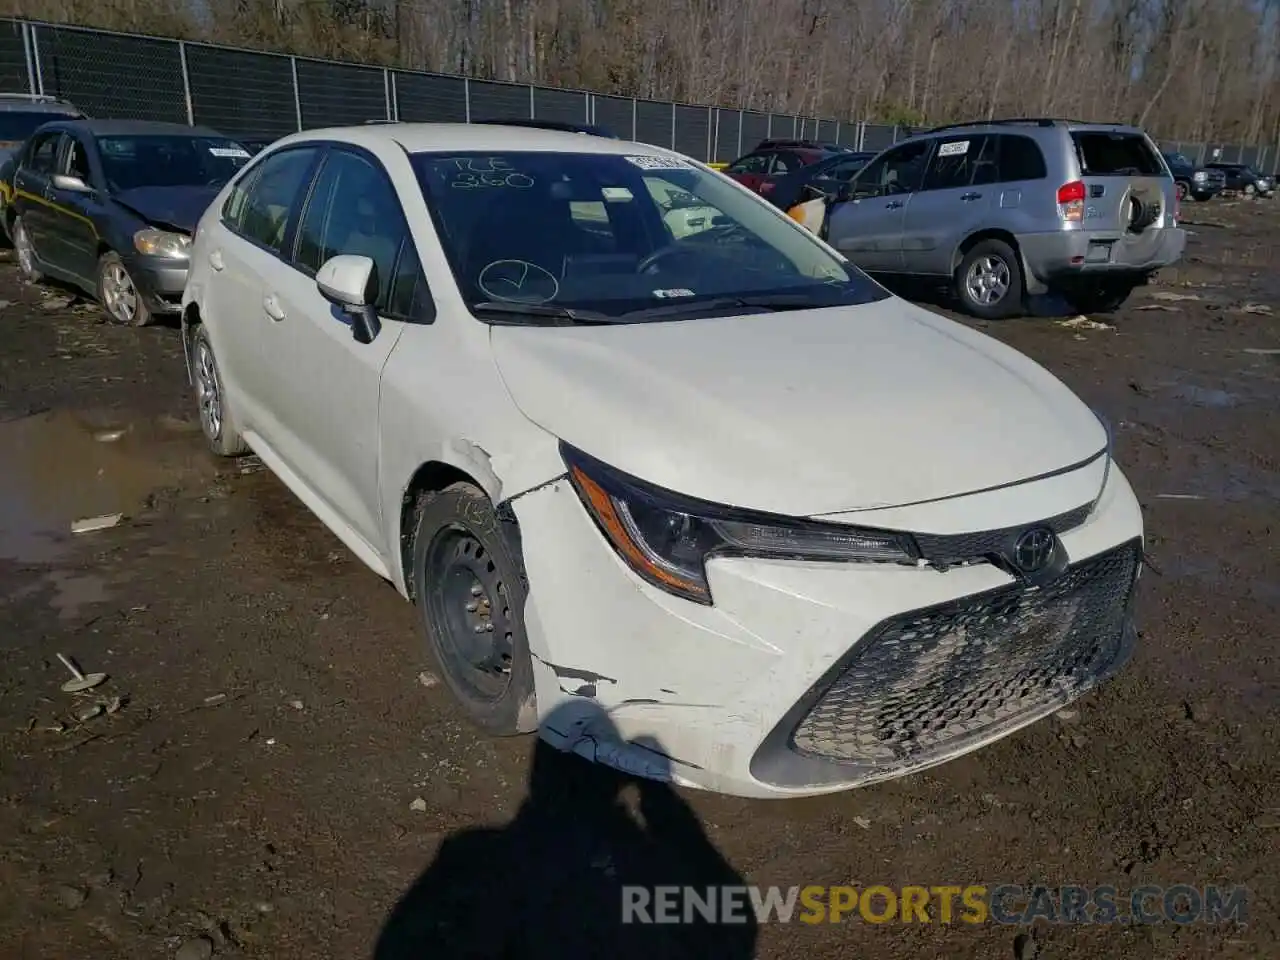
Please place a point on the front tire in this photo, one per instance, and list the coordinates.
(989, 281)
(118, 294)
(25, 252)
(217, 420)
(469, 585)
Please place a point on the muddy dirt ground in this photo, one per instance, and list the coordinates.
(272, 770)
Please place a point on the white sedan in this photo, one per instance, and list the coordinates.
(713, 507)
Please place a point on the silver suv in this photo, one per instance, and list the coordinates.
(1002, 208)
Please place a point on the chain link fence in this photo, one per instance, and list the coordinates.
(247, 93)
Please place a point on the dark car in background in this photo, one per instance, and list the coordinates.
(1196, 182)
(20, 115)
(256, 143)
(760, 169)
(821, 179)
(1242, 178)
(110, 206)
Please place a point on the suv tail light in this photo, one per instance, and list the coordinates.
(1071, 201)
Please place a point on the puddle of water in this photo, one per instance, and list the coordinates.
(1206, 397)
(74, 591)
(56, 472)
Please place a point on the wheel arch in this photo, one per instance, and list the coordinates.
(973, 239)
(433, 476)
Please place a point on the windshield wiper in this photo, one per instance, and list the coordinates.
(565, 316)
(764, 301)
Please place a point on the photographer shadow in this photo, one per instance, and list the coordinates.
(550, 883)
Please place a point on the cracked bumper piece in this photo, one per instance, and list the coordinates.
(805, 677)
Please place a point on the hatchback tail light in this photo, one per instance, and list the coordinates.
(1071, 201)
(767, 186)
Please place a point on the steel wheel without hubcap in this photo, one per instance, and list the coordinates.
(208, 392)
(469, 607)
(987, 281)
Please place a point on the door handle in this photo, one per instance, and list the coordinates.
(971, 195)
(215, 260)
(271, 307)
(893, 204)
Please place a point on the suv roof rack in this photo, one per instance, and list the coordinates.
(1025, 121)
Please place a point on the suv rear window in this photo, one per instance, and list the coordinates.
(1116, 155)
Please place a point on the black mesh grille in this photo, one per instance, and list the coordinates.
(562, 105)
(422, 97)
(755, 127)
(258, 103)
(725, 136)
(111, 75)
(693, 128)
(335, 94)
(930, 682)
(944, 549)
(13, 60)
(499, 101)
(878, 136)
(614, 114)
(653, 123)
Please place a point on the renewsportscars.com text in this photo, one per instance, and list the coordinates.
(972, 904)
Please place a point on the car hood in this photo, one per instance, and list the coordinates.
(176, 207)
(801, 413)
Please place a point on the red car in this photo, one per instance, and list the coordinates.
(771, 159)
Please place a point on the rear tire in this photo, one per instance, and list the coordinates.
(217, 420)
(988, 281)
(25, 253)
(469, 585)
(1102, 298)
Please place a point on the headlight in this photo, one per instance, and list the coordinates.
(162, 243)
(1201, 175)
(667, 538)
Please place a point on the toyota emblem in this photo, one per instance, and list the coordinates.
(1034, 549)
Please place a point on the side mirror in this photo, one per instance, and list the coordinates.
(348, 281)
(65, 181)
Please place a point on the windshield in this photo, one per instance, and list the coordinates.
(17, 125)
(619, 236)
(167, 160)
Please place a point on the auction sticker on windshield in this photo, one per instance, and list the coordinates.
(954, 149)
(661, 163)
(673, 293)
(237, 152)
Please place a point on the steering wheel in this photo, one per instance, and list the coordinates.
(652, 261)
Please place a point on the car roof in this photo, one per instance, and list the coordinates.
(440, 137)
(34, 103)
(139, 128)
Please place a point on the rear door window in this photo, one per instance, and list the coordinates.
(268, 201)
(1020, 159)
(1106, 154)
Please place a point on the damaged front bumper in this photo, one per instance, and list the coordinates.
(789, 685)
